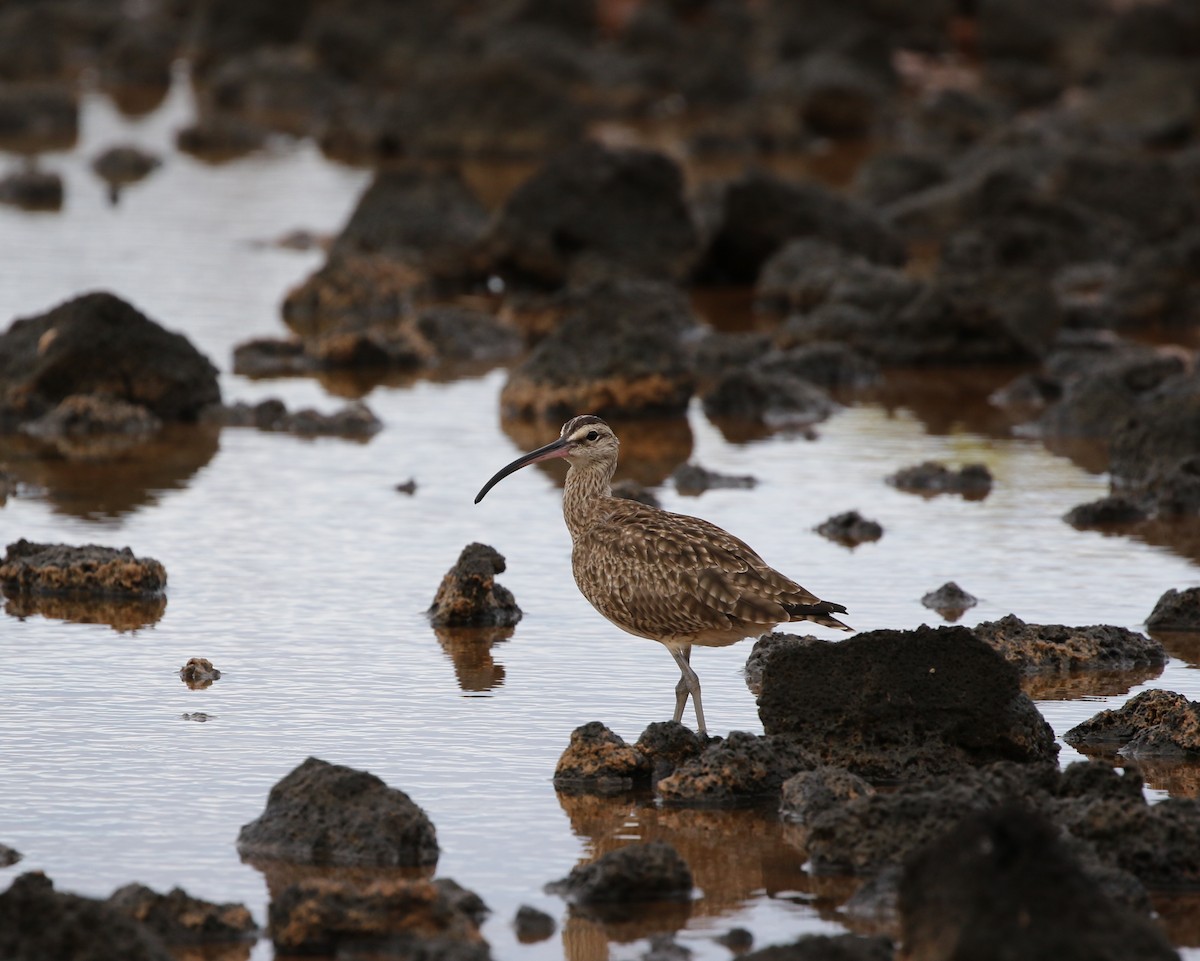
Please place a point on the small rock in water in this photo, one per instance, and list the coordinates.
(532, 925)
(407, 487)
(469, 595)
(639, 872)
(692, 480)
(973, 482)
(850, 528)
(195, 716)
(8, 856)
(949, 600)
(737, 940)
(61, 569)
(1176, 611)
(199, 673)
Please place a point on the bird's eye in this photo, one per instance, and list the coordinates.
(592, 435)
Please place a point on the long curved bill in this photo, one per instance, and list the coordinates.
(556, 448)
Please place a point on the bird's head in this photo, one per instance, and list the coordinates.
(584, 439)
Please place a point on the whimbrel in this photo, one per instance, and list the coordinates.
(675, 579)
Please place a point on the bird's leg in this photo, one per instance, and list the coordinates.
(689, 683)
(681, 689)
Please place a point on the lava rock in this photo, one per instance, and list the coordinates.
(827, 947)
(1003, 881)
(1034, 648)
(1153, 451)
(29, 568)
(532, 925)
(179, 919)
(8, 856)
(391, 917)
(125, 164)
(36, 117)
(99, 344)
(949, 600)
(622, 206)
(469, 595)
(692, 480)
(37, 921)
(460, 334)
(810, 793)
(666, 745)
(1151, 724)
(430, 220)
(1115, 510)
(807, 272)
(88, 426)
(327, 814)
(354, 420)
(1176, 611)
(973, 482)
(597, 761)
(743, 767)
(618, 352)
(773, 399)
(902, 704)
(199, 673)
(636, 873)
(829, 365)
(761, 212)
(32, 190)
(850, 528)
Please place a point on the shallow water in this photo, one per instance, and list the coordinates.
(299, 570)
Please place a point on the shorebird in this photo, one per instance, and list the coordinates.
(669, 577)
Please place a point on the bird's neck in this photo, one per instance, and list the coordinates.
(587, 491)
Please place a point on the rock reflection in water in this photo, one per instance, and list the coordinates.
(113, 486)
(121, 614)
(279, 875)
(1078, 685)
(767, 863)
(651, 449)
(470, 648)
(236, 951)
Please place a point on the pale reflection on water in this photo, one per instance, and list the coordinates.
(301, 573)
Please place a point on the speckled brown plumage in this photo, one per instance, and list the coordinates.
(669, 577)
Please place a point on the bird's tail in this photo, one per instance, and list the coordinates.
(819, 613)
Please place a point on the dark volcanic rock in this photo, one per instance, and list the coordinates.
(775, 399)
(736, 770)
(973, 482)
(636, 873)
(1151, 724)
(619, 206)
(387, 917)
(354, 420)
(761, 212)
(597, 761)
(35, 117)
(618, 352)
(810, 793)
(850, 528)
(832, 366)
(8, 856)
(469, 595)
(462, 334)
(99, 344)
(32, 189)
(1155, 452)
(949, 600)
(88, 415)
(327, 814)
(29, 568)
(179, 919)
(826, 947)
(902, 704)
(532, 925)
(1111, 511)
(427, 219)
(692, 480)
(807, 272)
(667, 745)
(199, 673)
(1002, 884)
(217, 137)
(38, 922)
(1176, 611)
(124, 164)
(1033, 648)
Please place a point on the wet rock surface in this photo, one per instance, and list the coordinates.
(636, 873)
(56, 569)
(597, 760)
(949, 600)
(827, 947)
(37, 921)
(1003, 881)
(328, 814)
(180, 919)
(99, 344)
(737, 770)
(32, 189)
(199, 673)
(532, 925)
(850, 528)
(385, 917)
(973, 482)
(1176, 611)
(354, 420)
(8, 856)
(469, 595)
(616, 352)
(1055, 647)
(692, 480)
(1151, 724)
(892, 705)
